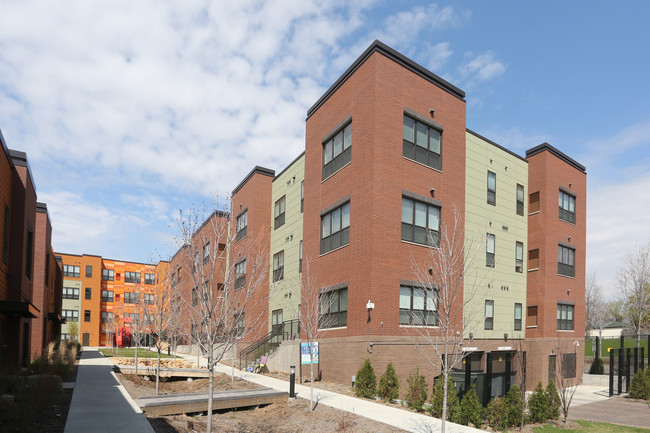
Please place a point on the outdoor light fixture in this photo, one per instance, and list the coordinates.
(432, 111)
(505, 337)
(370, 305)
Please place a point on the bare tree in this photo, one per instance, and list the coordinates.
(138, 316)
(565, 374)
(522, 378)
(162, 314)
(227, 303)
(448, 286)
(595, 306)
(634, 283)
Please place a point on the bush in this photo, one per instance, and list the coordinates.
(437, 397)
(389, 384)
(640, 386)
(538, 405)
(366, 385)
(416, 390)
(470, 410)
(553, 400)
(497, 414)
(597, 367)
(514, 405)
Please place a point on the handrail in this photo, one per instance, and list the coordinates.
(282, 332)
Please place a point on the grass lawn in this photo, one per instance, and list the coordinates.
(129, 352)
(614, 343)
(592, 427)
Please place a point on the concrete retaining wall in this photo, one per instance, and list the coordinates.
(595, 379)
(288, 354)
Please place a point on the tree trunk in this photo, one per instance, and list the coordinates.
(311, 380)
(444, 399)
(210, 388)
(158, 372)
(136, 359)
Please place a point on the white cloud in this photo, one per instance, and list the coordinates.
(480, 68)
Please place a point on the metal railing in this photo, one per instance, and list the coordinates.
(288, 330)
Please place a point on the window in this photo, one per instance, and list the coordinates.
(107, 317)
(568, 365)
(132, 277)
(418, 306)
(129, 317)
(491, 188)
(195, 297)
(334, 309)
(107, 296)
(179, 275)
(70, 293)
(420, 222)
(566, 261)
(489, 250)
(71, 271)
(567, 207)
(89, 271)
(70, 315)
(240, 275)
(531, 317)
(88, 293)
(131, 298)
(520, 199)
(337, 151)
(280, 209)
(149, 298)
(242, 223)
(206, 253)
(300, 259)
(195, 263)
(302, 196)
(335, 229)
(173, 279)
(5, 237)
(107, 274)
(489, 315)
(533, 202)
(278, 266)
(421, 143)
(150, 279)
(517, 317)
(519, 257)
(86, 315)
(564, 317)
(533, 259)
(240, 320)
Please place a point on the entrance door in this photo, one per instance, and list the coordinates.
(86, 339)
(551, 368)
(276, 323)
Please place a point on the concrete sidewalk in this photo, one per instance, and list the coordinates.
(399, 418)
(99, 403)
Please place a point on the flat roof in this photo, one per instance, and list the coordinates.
(545, 146)
(259, 170)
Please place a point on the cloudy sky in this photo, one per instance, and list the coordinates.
(130, 110)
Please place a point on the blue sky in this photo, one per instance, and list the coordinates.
(129, 111)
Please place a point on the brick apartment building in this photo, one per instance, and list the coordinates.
(30, 281)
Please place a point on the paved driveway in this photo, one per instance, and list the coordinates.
(617, 410)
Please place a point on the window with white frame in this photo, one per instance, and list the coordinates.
(489, 314)
(280, 211)
(518, 313)
(489, 250)
(519, 257)
(520, 199)
(418, 306)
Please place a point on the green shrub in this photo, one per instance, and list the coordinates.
(538, 405)
(389, 384)
(553, 400)
(640, 386)
(497, 414)
(452, 400)
(597, 367)
(416, 390)
(366, 385)
(514, 405)
(470, 410)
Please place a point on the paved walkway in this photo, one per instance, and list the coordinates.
(616, 410)
(99, 403)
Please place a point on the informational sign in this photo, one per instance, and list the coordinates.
(304, 353)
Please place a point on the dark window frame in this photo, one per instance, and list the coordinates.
(412, 231)
(73, 317)
(335, 316)
(206, 253)
(240, 274)
(489, 315)
(278, 266)
(520, 194)
(490, 253)
(336, 237)
(518, 321)
(566, 261)
(280, 210)
(88, 293)
(302, 196)
(492, 189)
(242, 225)
(107, 296)
(150, 279)
(132, 277)
(89, 271)
(567, 207)
(425, 316)
(70, 293)
(86, 315)
(565, 317)
(71, 271)
(300, 258)
(106, 317)
(333, 159)
(519, 257)
(412, 143)
(108, 274)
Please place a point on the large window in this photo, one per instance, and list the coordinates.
(420, 222)
(107, 296)
(89, 271)
(240, 275)
(418, 306)
(132, 277)
(489, 250)
(520, 199)
(566, 261)
(131, 298)
(71, 271)
(491, 188)
(108, 274)
(335, 228)
(567, 207)
(519, 257)
(489, 314)
(518, 312)
(278, 266)
(70, 315)
(242, 224)
(334, 309)
(337, 151)
(421, 143)
(70, 293)
(150, 279)
(107, 317)
(565, 317)
(280, 210)
(149, 298)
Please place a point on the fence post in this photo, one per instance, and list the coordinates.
(641, 359)
(620, 372)
(636, 359)
(628, 352)
(611, 372)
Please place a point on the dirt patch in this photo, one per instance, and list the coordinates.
(152, 362)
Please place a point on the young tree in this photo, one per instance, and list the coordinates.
(227, 303)
(137, 316)
(73, 330)
(162, 314)
(634, 284)
(448, 272)
(595, 305)
(565, 374)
